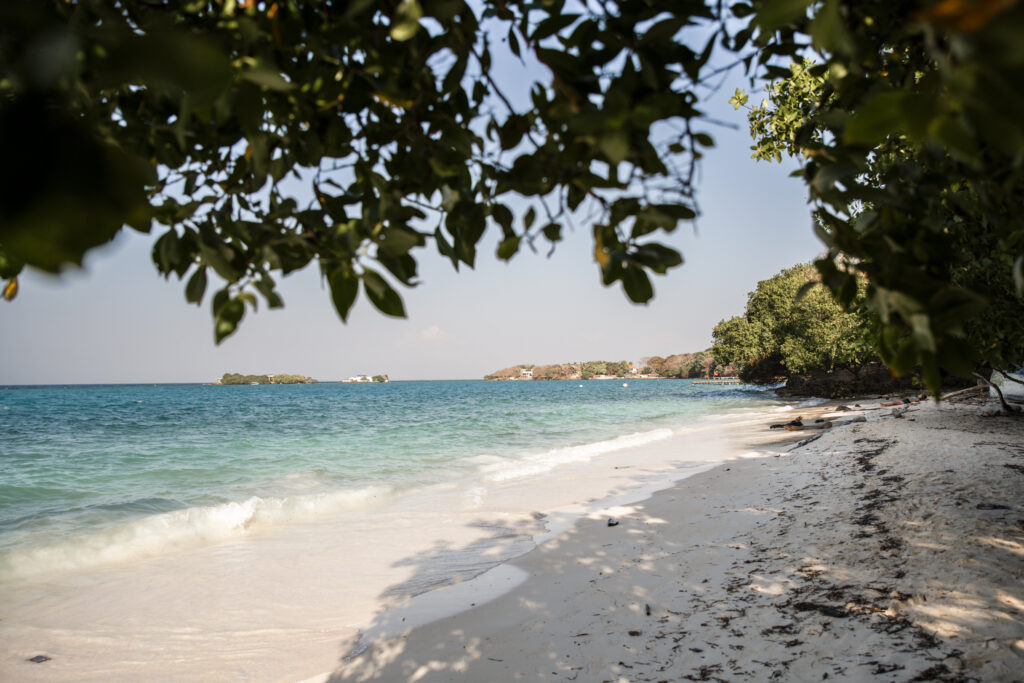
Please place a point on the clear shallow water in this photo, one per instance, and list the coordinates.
(96, 474)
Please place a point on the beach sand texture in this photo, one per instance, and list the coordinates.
(886, 550)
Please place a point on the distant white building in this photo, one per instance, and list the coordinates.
(526, 372)
(362, 379)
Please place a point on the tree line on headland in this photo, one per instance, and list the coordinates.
(677, 366)
(792, 330)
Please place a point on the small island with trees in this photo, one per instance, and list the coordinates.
(233, 378)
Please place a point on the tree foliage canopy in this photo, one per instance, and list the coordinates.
(793, 324)
(262, 136)
(910, 131)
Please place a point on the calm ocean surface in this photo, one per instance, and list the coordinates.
(94, 474)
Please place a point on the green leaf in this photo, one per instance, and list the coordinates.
(266, 77)
(220, 262)
(704, 139)
(637, 284)
(64, 189)
(741, 9)
(402, 267)
(444, 168)
(553, 231)
(876, 119)
(530, 217)
(196, 286)
(513, 42)
(657, 257)
(931, 373)
(552, 25)
(445, 248)
(615, 145)
(503, 216)
(805, 290)
(170, 59)
(920, 323)
(904, 359)
(774, 14)
(957, 139)
(828, 32)
(9, 266)
(230, 314)
(220, 299)
(344, 286)
(508, 247)
(266, 287)
(406, 21)
(399, 239)
(665, 29)
(382, 295)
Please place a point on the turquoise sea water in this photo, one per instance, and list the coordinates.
(91, 474)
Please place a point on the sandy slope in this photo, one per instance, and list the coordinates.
(890, 550)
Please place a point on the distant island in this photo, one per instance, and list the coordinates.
(231, 378)
(697, 365)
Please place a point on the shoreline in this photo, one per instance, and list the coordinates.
(892, 548)
(283, 603)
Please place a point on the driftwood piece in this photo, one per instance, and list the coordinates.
(795, 422)
(802, 427)
(965, 393)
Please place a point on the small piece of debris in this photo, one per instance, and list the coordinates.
(612, 522)
(827, 610)
(634, 633)
(39, 659)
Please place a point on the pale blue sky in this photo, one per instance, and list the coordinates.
(118, 321)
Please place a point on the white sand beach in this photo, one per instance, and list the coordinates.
(889, 550)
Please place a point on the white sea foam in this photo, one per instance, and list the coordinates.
(540, 463)
(179, 530)
(809, 403)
